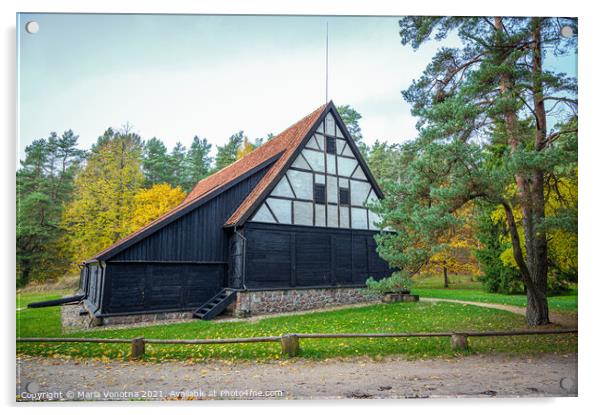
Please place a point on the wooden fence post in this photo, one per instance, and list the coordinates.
(459, 341)
(137, 350)
(290, 345)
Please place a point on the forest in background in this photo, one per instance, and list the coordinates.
(487, 187)
(73, 203)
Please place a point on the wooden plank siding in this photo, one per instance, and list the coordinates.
(199, 235)
(179, 267)
(138, 287)
(281, 256)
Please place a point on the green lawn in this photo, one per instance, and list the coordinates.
(398, 317)
(559, 303)
(467, 288)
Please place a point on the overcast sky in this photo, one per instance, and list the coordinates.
(174, 76)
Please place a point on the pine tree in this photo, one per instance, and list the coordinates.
(44, 184)
(178, 166)
(198, 162)
(483, 136)
(156, 163)
(226, 154)
(351, 119)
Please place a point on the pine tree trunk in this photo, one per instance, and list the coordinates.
(530, 194)
(538, 312)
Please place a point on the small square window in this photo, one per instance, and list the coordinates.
(331, 145)
(343, 196)
(319, 193)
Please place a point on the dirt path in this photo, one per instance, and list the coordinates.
(561, 319)
(394, 377)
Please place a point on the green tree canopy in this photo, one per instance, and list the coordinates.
(198, 162)
(226, 154)
(44, 184)
(483, 111)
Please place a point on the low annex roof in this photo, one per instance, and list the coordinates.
(278, 151)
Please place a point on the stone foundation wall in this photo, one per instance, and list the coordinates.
(146, 318)
(72, 320)
(279, 301)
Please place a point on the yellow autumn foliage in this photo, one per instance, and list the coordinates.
(149, 204)
(245, 148)
(456, 253)
(562, 245)
(103, 199)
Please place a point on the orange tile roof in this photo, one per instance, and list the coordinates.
(289, 141)
(284, 143)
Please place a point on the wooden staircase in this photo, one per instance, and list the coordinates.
(216, 305)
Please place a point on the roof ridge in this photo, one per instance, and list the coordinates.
(279, 146)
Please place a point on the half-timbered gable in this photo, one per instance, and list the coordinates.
(325, 185)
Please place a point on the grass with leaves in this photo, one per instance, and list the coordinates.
(468, 288)
(397, 317)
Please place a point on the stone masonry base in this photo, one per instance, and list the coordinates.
(72, 320)
(247, 303)
(279, 301)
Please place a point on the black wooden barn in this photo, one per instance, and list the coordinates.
(291, 214)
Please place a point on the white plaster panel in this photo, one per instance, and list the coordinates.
(320, 178)
(315, 159)
(320, 215)
(372, 196)
(304, 213)
(281, 209)
(346, 166)
(359, 192)
(263, 215)
(340, 146)
(348, 152)
(283, 189)
(331, 189)
(320, 128)
(344, 217)
(331, 164)
(359, 218)
(343, 182)
(359, 174)
(319, 141)
(333, 216)
(374, 219)
(302, 183)
(330, 124)
(312, 143)
(339, 132)
(300, 163)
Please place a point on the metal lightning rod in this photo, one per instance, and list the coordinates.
(327, 62)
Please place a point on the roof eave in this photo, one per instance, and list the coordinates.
(245, 216)
(193, 205)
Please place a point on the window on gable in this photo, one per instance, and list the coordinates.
(319, 193)
(344, 196)
(331, 145)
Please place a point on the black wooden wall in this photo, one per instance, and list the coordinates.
(91, 283)
(137, 287)
(197, 236)
(180, 266)
(297, 256)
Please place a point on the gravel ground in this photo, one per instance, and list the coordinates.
(361, 378)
